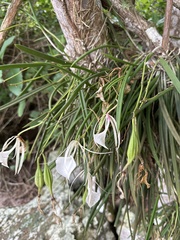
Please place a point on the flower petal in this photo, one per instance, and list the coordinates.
(65, 166)
(100, 138)
(4, 158)
(92, 198)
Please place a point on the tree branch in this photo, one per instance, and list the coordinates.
(8, 19)
(136, 24)
(167, 23)
(139, 26)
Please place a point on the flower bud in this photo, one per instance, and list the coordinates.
(39, 181)
(48, 178)
(133, 147)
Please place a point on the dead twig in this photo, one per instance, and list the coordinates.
(8, 19)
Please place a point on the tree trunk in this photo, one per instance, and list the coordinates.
(84, 28)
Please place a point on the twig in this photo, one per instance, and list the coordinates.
(167, 22)
(8, 19)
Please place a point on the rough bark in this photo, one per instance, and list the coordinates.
(84, 28)
(176, 3)
(167, 23)
(175, 27)
(10, 15)
(139, 26)
(136, 24)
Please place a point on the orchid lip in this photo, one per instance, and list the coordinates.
(93, 196)
(66, 165)
(100, 138)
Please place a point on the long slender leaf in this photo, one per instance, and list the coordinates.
(24, 65)
(120, 97)
(42, 55)
(169, 121)
(150, 225)
(171, 74)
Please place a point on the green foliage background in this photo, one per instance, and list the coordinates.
(152, 11)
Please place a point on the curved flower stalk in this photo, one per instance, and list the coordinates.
(100, 138)
(92, 196)
(19, 147)
(65, 165)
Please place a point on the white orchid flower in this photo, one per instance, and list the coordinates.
(65, 165)
(19, 147)
(92, 196)
(100, 138)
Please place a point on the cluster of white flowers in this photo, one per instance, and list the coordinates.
(66, 164)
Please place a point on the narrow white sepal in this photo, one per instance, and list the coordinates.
(117, 137)
(65, 166)
(20, 153)
(17, 155)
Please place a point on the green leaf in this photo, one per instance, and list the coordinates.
(15, 81)
(170, 74)
(1, 77)
(169, 121)
(24, 65)
(51, 59)
(120, 97)
(150, 225)
(41, 55)
(5, 45)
